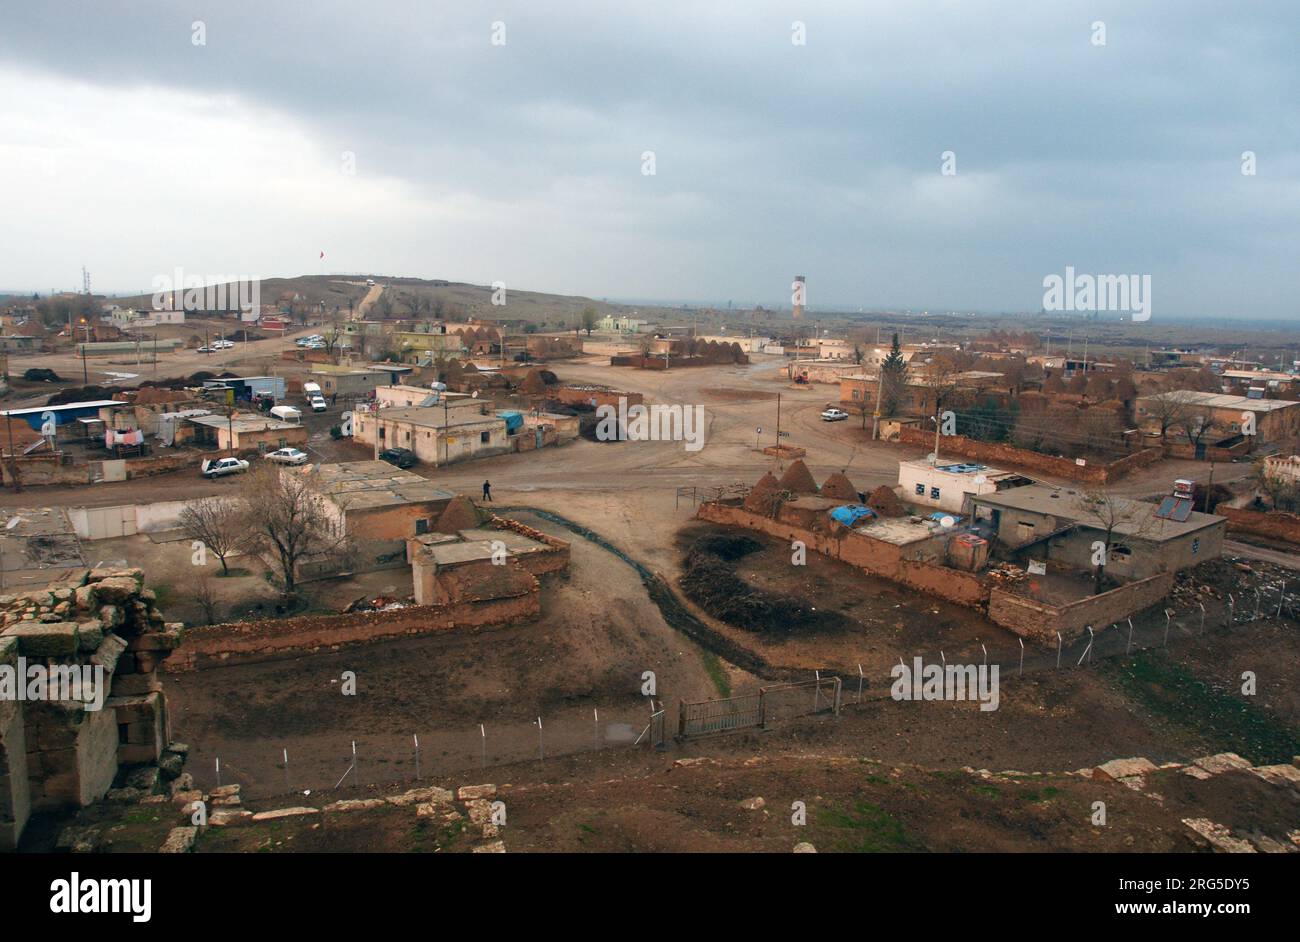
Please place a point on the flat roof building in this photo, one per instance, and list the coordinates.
(1064, 525)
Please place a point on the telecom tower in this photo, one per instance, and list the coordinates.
(85, 280)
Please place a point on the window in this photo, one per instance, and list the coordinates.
(1196, 546)
(920, 490)
(857, 394)
(408, 436)
(934, 493)
(421, 526)
(484, 437)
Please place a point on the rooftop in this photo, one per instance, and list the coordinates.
(242, 423)
(359, 485)
(437, 416)
(1132, 517)
(1224, 401)
(969, 469)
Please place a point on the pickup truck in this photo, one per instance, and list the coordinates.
(217, 467)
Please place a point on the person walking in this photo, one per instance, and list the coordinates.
(487, 490)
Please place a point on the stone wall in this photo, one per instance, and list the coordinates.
(56, 753)
(1275, 525)
(1040, 621)
(1008, 456)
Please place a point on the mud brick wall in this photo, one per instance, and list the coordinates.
(574, 395)
(1274, 525)
(1002, 455)
(873, 556)
(246, 642)
(538, 563)
(1040, 621)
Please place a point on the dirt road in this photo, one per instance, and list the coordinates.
(1290, 560)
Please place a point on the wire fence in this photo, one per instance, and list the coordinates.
(333, 766)
(340, 766)
(1154, 628)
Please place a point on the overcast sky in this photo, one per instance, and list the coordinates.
(129, 149)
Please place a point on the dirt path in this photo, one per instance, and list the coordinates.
(1290, 560)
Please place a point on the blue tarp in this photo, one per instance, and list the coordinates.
(514, 420)
(940, 514)
(850, 514)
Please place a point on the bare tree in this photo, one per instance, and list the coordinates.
(220, 524)
(291, 520)
(1121, 521)
(206, 597)
(1273, 486)
(1170, 409)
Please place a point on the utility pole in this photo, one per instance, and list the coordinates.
(778, 420)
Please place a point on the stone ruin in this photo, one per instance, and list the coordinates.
(55, 753)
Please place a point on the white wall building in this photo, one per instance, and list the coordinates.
(949, 486)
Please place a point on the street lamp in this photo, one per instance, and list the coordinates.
(85, 373)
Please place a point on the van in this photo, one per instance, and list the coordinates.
(310, 390)
(287, 414)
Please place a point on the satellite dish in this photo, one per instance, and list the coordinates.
(474, 394)
(932, 457)
(981, 479)
(947, 522)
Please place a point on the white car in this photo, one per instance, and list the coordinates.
(287, 456)
(224, 344)
(218, 467)
(318, 404)
(834, 415)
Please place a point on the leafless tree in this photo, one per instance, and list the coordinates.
(1170, 409)
(291, 520)
(206, 597)
(220, 524)
(1121, 521)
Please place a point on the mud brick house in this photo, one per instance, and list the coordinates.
(245, 432)
(1277, 421)
(1057, 524)
(379, 507)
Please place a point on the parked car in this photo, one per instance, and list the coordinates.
(287, 456)
(834, 415)
(402, 457)
(206, 349)
(219, 467)
(318, 404)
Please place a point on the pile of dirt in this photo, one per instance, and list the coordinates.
(710, 581)
(798, 479)
(459, 514)
(762, 498)
(839, 487)
(1241, 578)
(885, 502)
(80, 394)
(535, 383)
(41, 375)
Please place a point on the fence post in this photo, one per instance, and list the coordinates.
(1281, 597)
(1202, 604)
(1167, 617)
(416, 737)
(860, 676)
(1232, 611)
(1021, 672)
(681, 718)
(1058, 650)
(1129, 646)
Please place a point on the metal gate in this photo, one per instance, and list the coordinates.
(770, 705)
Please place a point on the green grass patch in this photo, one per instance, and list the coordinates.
(866, 828)
(1227, 723)
(717, 673)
